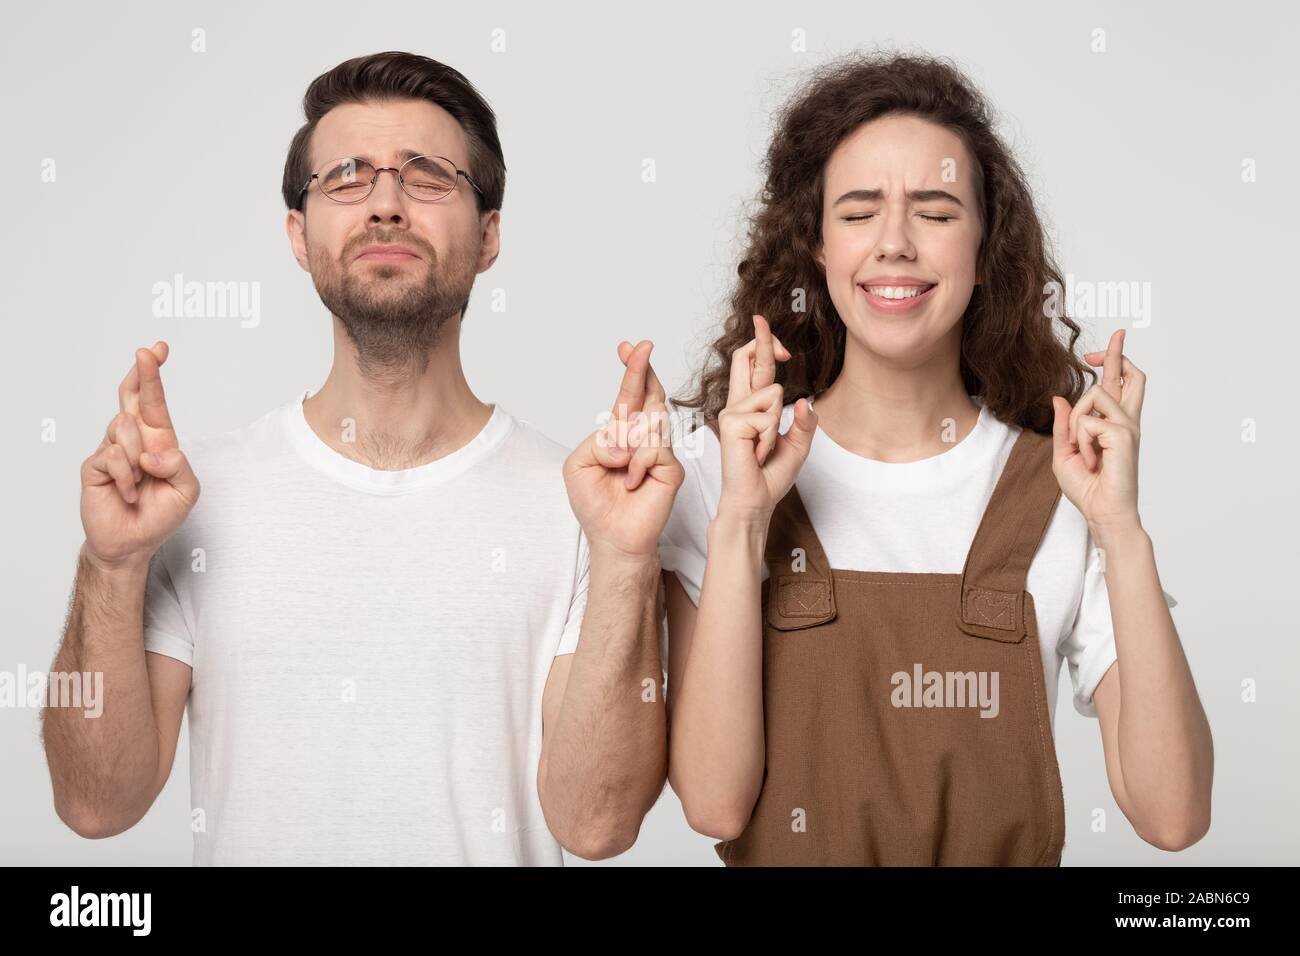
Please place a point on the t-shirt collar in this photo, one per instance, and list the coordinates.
(354, 474)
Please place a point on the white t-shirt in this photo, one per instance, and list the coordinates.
(919, 516)
(369, 648)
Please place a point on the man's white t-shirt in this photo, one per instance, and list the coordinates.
(369, 648)
(919, 516)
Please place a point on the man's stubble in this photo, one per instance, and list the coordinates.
(393, 314)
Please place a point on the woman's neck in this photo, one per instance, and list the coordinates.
(896, 415)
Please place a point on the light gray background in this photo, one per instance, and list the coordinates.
(1135, 155)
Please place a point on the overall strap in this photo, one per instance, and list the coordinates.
(801, 588)
(997, 565)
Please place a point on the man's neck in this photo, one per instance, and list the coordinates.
(396, 418)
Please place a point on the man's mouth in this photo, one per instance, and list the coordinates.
(381, 252)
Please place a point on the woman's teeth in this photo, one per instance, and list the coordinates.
(897, 292)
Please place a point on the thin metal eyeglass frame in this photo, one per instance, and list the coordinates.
(401, 185)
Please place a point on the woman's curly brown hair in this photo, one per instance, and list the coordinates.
(1010, 355)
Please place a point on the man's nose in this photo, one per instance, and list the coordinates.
(386, 200)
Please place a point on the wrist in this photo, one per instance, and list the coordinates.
(127, 568)
(746, 529)
(731, 518)
(1111, 535)
(609, 557)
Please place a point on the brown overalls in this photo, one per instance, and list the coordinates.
(857, 777)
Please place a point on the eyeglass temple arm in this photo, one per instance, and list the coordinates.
(461, 172)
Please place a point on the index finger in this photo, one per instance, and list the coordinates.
(763, 372)
(1112, 367)
(654, 389)
(128, 392)
(631, 391)
(153, 404)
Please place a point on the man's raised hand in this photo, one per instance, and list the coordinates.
(622, 479)
(138, 486)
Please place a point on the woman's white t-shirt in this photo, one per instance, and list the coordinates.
(919, 516)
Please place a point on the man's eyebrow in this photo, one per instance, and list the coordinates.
(916, 195)
(402, 156)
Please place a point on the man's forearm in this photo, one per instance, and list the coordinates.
(608, 760)
(102, 767)
(1165, 747)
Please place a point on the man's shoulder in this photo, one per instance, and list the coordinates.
(524, 482)
(259, 437)
(529, 444)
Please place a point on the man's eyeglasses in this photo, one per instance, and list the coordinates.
(423, 178)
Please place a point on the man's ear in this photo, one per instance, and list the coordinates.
(490, 246)
(296, 228)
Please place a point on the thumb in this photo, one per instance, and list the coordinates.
(605, 450)
(174, 468)
(802, 427)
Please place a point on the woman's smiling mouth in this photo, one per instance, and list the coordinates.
(894, 298)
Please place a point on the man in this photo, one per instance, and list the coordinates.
(396, 643)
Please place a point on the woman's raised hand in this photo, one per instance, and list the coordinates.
(1096, 455)
(759, 465)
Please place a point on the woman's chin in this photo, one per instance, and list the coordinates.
(899, 342)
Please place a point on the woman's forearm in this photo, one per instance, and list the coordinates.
(1165, 748)
(717, 745)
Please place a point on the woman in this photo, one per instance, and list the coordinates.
(893, 579)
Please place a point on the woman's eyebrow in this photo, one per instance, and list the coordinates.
(916, 195)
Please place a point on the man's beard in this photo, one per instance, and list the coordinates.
(393, 321)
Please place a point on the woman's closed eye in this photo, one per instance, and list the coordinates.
(868, 215)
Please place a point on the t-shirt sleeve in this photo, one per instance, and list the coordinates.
(165, 630)
(683, 544)
(1089, 646)
(578, 601)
